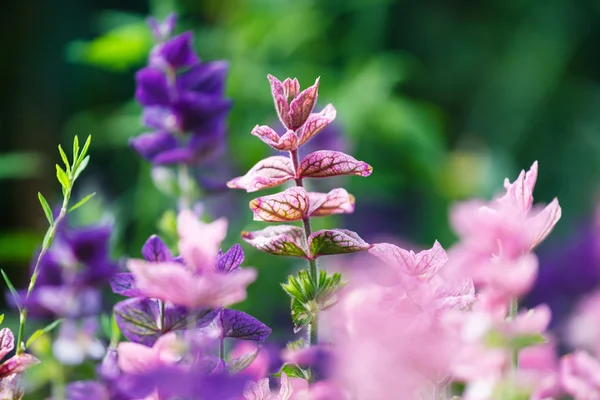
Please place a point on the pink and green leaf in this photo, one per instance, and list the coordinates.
(316, 122)
(289, 205)
(337, 201)
(267, 173)
(282, 240)
(325, 163)
(302, 106)
(335, 241)
(287, 142)
(281, 102)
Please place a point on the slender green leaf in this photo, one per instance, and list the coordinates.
(46, 208)
(64, 158)
(75, 150)
(62, 177)
(82, 201)
(48, 238)
(81, 167)
(12, 289)
(1, 318)
(36, 335)
(84, 151)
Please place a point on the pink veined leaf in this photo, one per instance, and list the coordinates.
(335, 241)
(7, 342)
(424, 264)
(324, 163)
(289, 205)
(17, 364)
(291, 88)
(282, 240)
(302, 106)
(316, 122)
(281, 102)
(287, 142)
(337, 201)
(270, 172)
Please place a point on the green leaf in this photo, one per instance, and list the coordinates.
(293, 371)
(75, 151)
(85, 149)
(297, 344)
(1, 318)
(302, 314)
(335, 241)
(36, 335)
(62, 177)
(46, 208)
(48, 238)
(64, 158)
(82, 201)
(239, 364)
(12, 289)
(81, 167)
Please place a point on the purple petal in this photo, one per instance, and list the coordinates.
(325, 163)
(231, 260)
(270, 172)
(87, 390)
(196, 112)
(123, 283)
(335, 241)
(290, 205)
(175, 53)
(162, 30)
(337, 201)
(282, 240)
(174, 156)
(156, 250)
(152, 88)
(302, 106)
(17, 364)
(161, 118)
(239, 325)
(206, 78)
(316, 123)
(7, 342)
(148, 145)
(138, 320)
(178, 317)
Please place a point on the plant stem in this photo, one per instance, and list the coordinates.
(313, 327)
(221, 348)
(36, 270)
(512, 313)
(161, 306)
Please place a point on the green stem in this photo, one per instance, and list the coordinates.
(36, 270)
(512, 314)
(221, 348)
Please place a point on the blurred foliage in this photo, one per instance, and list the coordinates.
(443, 98)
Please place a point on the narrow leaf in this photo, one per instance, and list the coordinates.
(48, 238)
(81, 167)
(335, 241)
(46, 209)
(325, 163)
(12, 289)
(75, 151)
(65, 159)
(1, 318)
(85, 149)
(282, 240)
(270, 172)
(289, 205)
(62, 177)
(36, 335)
(82, 201)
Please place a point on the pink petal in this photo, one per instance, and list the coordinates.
(302, 106)
(335, 241)
(284, 240)
(539, 226)
(136, 358)
(428, 262)
(316, 122)
(580, 375)
(325, 163)
(270, 172)
(424, 264)
(221, 290)
(165, 281)
(291, 88)
(528, 322)
(257, 390)
(285, 388)
(281, 102)
(289, 205)
(199, 242)
(337, 201)
(7, 342)
(17, 364)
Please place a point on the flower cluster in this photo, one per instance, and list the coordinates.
(183, 100)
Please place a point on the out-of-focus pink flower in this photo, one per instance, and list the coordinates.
(323, 390)
(580, 376)
(260, 390)
(538, 370)
(136, 358)
(583, 330)
(199, 242)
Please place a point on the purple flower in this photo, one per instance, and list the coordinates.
(183, 100)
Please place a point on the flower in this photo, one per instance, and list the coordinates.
(183, 100)
(13, 366)
(260, 390)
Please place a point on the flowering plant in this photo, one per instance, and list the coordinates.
(404, 324)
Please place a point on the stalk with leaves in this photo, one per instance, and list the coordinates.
(312, 290)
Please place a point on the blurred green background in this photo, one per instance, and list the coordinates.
(443, 98)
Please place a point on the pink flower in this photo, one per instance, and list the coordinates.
(260, 390)
(196, 282)
(580, 376)
(136, 358)
(583, 331)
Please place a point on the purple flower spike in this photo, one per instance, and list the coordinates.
(162, 30)
(295, 113)
(152, 88)
(335, 241)
(151, 145)
(208, 78)
(270, 172)
(175, 53)
(325, 163)
(239, 325)
(156, 250)
(231, 260)
(282, 240)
